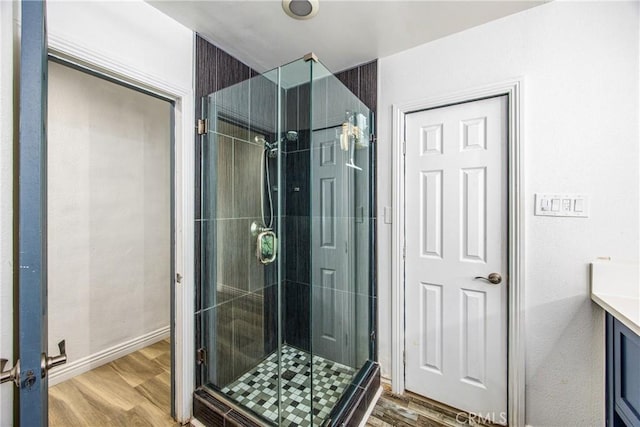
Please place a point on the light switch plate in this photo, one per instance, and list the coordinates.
(562, 204)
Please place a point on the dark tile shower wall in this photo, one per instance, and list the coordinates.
(215, 69)
(297, 205)
(240, 307)
(245, 322)
(237, 300)
(362, 81)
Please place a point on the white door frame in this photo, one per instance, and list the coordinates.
(184, 155)
(516, 356)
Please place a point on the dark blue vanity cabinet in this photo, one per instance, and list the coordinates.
(623, 375)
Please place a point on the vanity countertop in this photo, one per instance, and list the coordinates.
(615, 286)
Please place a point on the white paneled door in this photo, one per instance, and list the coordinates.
(456, 252)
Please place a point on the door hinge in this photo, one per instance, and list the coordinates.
(373, 336)
(203, 126)
(372, 138)
(404, 357)
(178, 278)
(404, 148)
(201, 356)
(404, 251)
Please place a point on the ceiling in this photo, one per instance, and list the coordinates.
(343, 34)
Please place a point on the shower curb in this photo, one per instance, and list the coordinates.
(354, 404)
(214, 412)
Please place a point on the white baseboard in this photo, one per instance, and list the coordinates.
(372, 405)
(95, 360)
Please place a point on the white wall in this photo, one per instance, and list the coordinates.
(131, 33)
(134, 37)
(108, 218)
(580, 134)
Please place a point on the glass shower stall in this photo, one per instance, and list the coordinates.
(285, 308)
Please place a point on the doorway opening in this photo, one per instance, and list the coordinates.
(110, 207)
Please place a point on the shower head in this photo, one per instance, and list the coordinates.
(292, 135)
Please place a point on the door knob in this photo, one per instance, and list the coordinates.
(49, 362)
(493, 278)
(12, 374)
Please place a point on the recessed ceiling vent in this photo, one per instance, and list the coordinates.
(300, 9)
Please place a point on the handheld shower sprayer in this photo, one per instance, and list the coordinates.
(272, 147)
(266, 243)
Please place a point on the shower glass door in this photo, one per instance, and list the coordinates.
(238, 299)
(340, 238)
(286, 224)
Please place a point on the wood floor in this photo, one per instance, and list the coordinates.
(135, 391)
(413, 410)
(131, 391)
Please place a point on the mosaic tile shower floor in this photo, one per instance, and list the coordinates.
(258, 388)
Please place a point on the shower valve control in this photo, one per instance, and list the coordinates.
(256, 228)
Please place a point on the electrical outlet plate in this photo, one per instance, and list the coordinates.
(562, 204)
